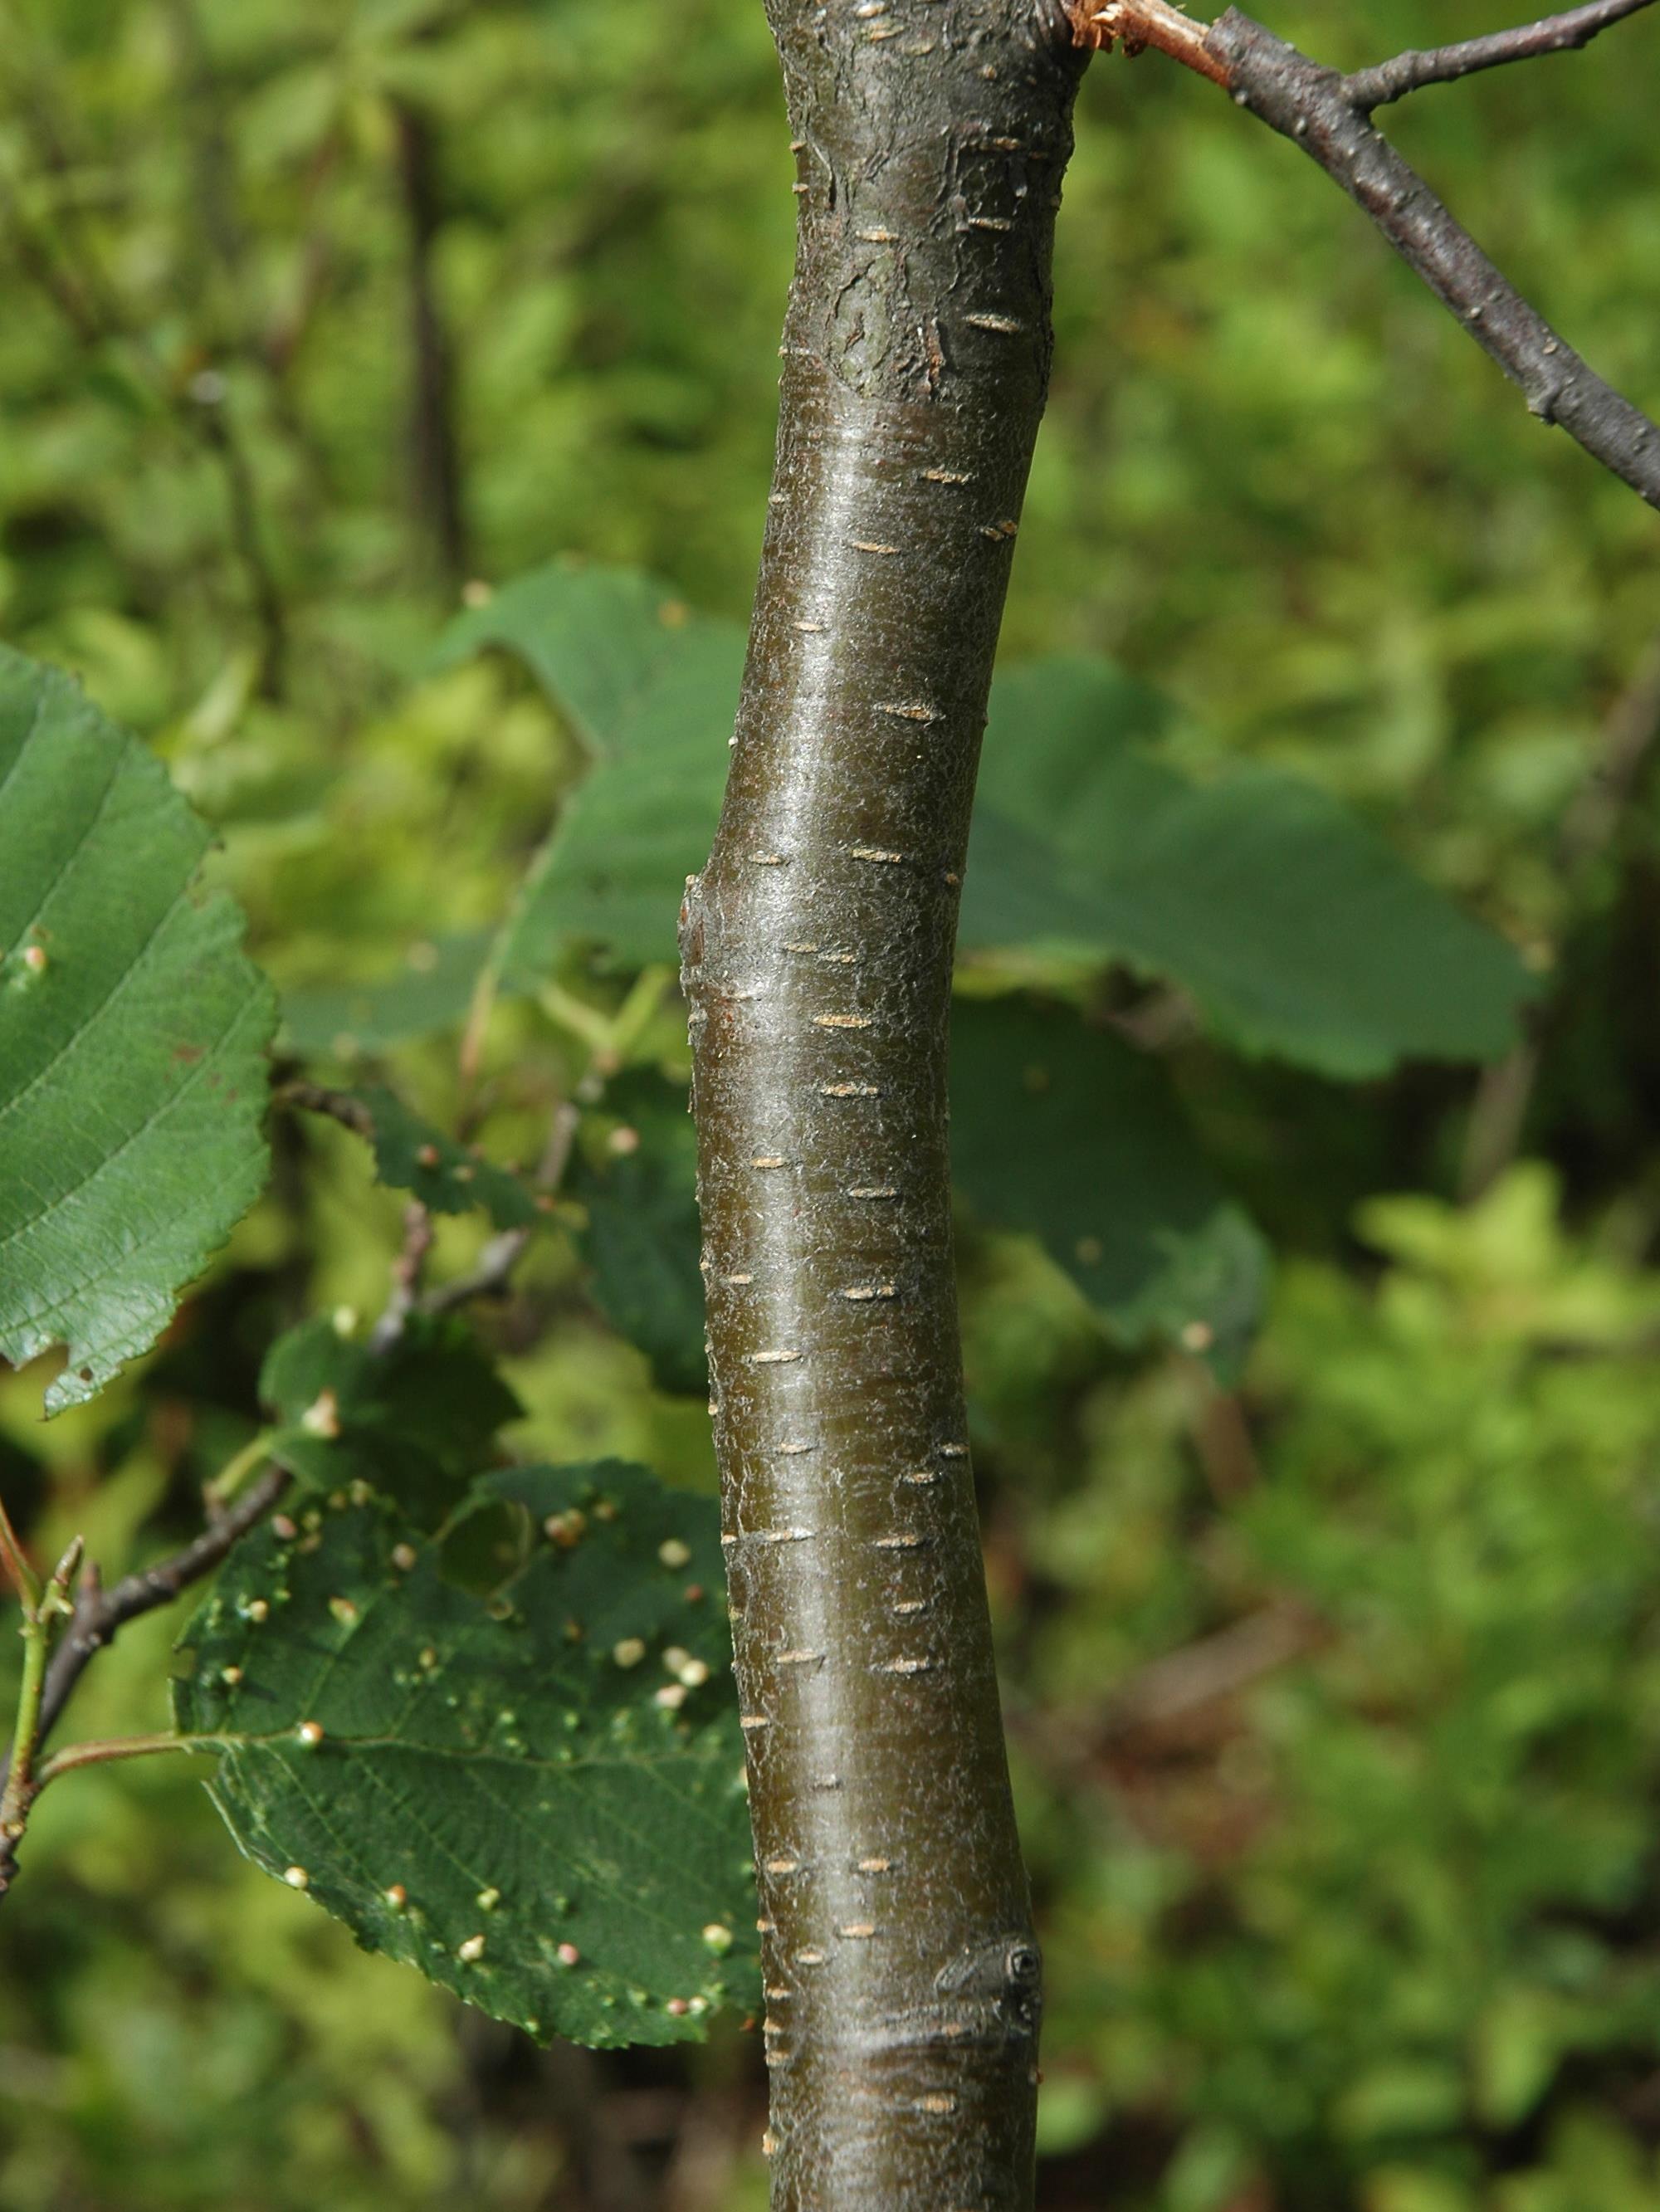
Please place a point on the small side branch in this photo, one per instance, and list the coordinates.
(1144, 23)
(219, 432)
(99, 1614)
(351, 1113)
(492, 1276)
(1556, 34)
(407, 1270)
(1328, 116)
(435, 461)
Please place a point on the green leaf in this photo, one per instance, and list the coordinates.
(642, 1239)
(411, 1154)
(1296, 929)
(133, 1040)
(431, 990)
(652, 691)
(416, 1421)
(1071, 1136)
(595, 639)
(501, 1795)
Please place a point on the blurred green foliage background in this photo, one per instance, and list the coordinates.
(1335, 1699)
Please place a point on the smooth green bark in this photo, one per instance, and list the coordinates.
(901, 1973)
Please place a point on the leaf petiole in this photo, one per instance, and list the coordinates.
(100, 1754)
(236, 1471)
(17, 1565)
(43, 1611)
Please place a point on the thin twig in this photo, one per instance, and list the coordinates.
(1167, 1692)
(406, 1272)
(40, 1621)
(57, 283)
(1144, 23)
(480, 1007)
(434, 459)
(206, 108)
(1564, 33)
(1319, 110)
(220, 434)
(15, 1560)
(1498, 1115)
(351, 1113)
(100, 1614)
(489, 1277)
(96, 316)
(1223, 1442)
(1590, 826)
(1216, 1666)
(492, 1275)
(1630, 735)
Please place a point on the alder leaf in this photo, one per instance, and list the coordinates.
(411, 1154)
(133, 1040)
(653, 690)
(595, 639)
(416, 1421)
(1298, 931)
(430, 989)
(641, 1239)
(534, 1795)
(1068, 1135)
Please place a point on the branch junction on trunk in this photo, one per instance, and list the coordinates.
(1329, 116)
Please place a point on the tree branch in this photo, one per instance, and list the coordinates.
(1592, 823)
(493, 1272)
(341, 1106)
(208, 393)
(1564, 33)
(901, 1978)
(1144, 23)
(83, 296)
(1630, 734)
(1327, 115)
(435, 461)
(406, 1272)
(100, 1614)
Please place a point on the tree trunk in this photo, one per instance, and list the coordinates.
(901, 1978)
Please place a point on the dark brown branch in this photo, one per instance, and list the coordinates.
(406, 1273)
(1317, 109)
(354, 1113)
(435, 460)
(280, 340)
(492, 1275)
(1216, 1666)
(1592, 823)
(337, 1105)
(100, 1614)
(1144, 23)
(241, 500)
(36, 261)
(1564, 33)
(1630, 735)
(206, 108)
(74, 281)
